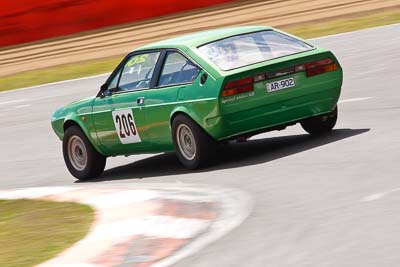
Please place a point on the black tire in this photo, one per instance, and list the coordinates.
(94, 164)
(204, 146)
(320, 124)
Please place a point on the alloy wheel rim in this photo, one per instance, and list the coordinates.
(77, 153)
(186, 142)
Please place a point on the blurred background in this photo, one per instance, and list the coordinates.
(33, 20)
(41, 34)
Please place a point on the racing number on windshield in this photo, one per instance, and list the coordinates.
(125, 127)
(137, 60)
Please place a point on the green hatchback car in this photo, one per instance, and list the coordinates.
(189, 93)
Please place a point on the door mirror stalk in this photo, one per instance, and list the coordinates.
(104, 91)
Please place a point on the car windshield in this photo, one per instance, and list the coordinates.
(246, 49)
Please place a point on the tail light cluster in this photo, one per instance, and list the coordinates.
(247, 84)
(319, 67)
(238, 86)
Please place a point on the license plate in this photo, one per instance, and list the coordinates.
(281, 84)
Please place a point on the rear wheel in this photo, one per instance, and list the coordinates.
(82, 160)
(194, 147)
(320, 124)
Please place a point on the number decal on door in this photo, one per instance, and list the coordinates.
(125, 126)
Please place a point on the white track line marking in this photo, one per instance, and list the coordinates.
(54, 83)
(80, 265)
(354, 99)
(12, 101)
(23, 106)
(35, 192)
(119, 198)
(160, 226)
(363, 30)
(378, 195)
(373, 197)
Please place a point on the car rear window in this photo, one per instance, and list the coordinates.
(246, 49)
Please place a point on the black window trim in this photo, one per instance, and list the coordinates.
(157, 69)
(122, 64)
(166, 51)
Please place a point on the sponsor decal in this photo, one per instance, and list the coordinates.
(236, 97)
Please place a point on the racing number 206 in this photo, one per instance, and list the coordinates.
(124, 123)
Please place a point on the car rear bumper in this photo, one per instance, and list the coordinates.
(268, 116)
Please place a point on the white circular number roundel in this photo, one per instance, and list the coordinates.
(125, 126)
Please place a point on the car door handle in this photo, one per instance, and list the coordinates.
(140, 100)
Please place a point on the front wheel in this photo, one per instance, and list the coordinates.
(320, 124)
(194, 147)
(82, 160)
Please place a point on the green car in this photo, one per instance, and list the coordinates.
(190, 93)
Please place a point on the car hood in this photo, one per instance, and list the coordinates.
(82, 106)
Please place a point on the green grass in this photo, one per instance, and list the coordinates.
(59, 73)
(33, 231)
(93, 67)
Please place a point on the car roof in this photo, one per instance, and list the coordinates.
(198, 38)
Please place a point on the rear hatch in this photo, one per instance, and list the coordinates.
(279, 83)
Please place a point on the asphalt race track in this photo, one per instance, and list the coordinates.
(327, 201)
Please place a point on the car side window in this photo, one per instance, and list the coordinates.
(177, 69)
(114, 81)
(137, 72)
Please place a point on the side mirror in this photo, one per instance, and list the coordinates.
(103, 91)
(103, 87)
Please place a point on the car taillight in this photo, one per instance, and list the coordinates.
(311, 68)
(319, 67)
(238, 86)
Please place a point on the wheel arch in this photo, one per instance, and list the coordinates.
(69, 122)
(186, 112)
(191, 115)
